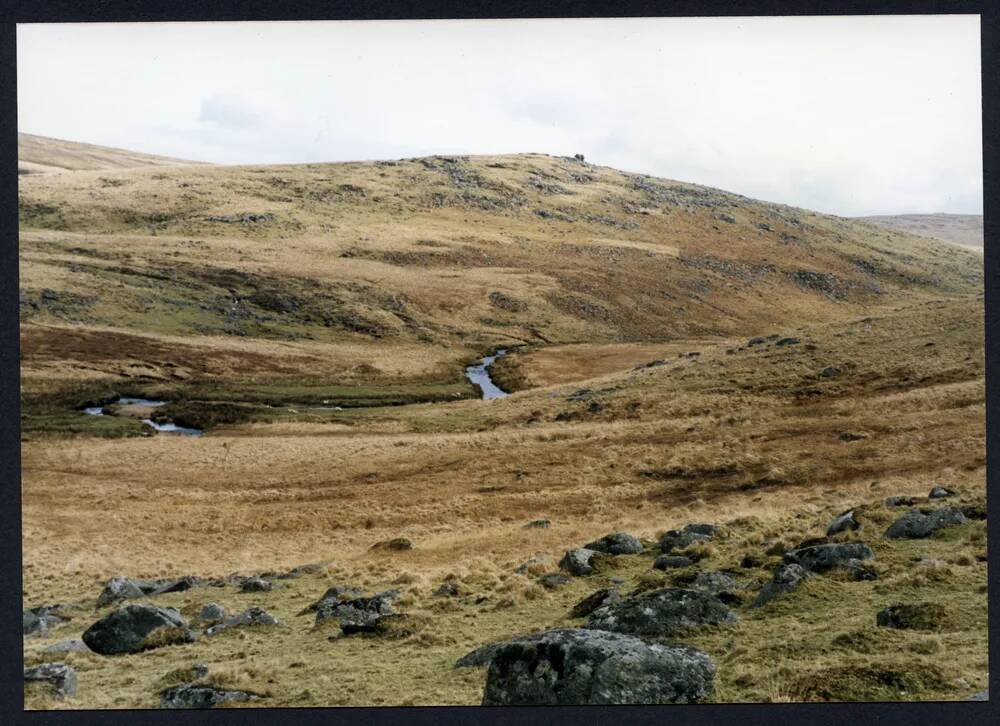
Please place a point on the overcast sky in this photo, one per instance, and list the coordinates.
(853, 116)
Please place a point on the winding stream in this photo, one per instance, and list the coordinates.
(479, 375)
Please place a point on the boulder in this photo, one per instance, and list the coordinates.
(247, 618)
(117, 589)
(397, 544)
(190, 695)
(447, 589)
(912, 616)
(785, 579)
(681, 538)
(538, 524)
(617, 543)
(668, 562)
(179, 585)
(212, 613)
(479, 657)
(38, 621)
(358, 614)
(334, 594)
(72, 645)
(917, 525)
(715, 583)
(580, 667)
(256, 584)
(59, 677)
(668, 611)
(820, 558)
(589, 604)
(135, 628)
(846, 522)
(552, 580)
(577, 561)
(940, 492)
(860, 571)
(900, 501)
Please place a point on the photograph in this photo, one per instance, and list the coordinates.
(501, 362)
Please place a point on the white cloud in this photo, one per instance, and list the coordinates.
(851, 115)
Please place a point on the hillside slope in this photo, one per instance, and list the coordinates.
(962, 229)
(41, 154)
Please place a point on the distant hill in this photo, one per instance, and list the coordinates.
(961, 229)
(40, 154)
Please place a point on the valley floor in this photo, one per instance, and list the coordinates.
(770, 438)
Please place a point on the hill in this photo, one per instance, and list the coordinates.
(679, 355)
(41, 154)
(962, 229)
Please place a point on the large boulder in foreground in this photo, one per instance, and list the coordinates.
(616, 543)
(917, 525)
(58, 677)
(581, 667)
(823, 557)
(135, 628)
(669, 611)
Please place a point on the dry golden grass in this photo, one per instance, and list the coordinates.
(417, 273)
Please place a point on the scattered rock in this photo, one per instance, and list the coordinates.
(849, 436)
(860, 571)
(974, 511)
(135, 628)
(212, 613)
(917, 525)
(576, 667)
(786, 578)
(577, 561)
(668, 611)
(980, 696)
(716, 583)
(912, 616)
(536, 565)
(900, 501)
(821, 558)
(589, 604)
(397, 544)
(617, 543)
(117, 589)
(940, 492)
(359, 614)
(681, 538)
(73, 645)
(256, 584)
(787, 341)
(552, 580)
(578, 157)
(538, 524)
(60, 677)
(251, 616)
(190, 695)
(667, 562)
(38, 621)
(846, 522)
(447, 589)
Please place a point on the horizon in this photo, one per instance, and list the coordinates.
(853, 116)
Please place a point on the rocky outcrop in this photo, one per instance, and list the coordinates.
(358, 615)
(579, 667)
(917, 525)
(135, 628)
(668, 611)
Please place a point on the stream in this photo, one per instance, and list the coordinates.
(137, 406)
(479, 375)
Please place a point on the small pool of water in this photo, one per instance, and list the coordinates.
(172, 428)
(480, 375)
